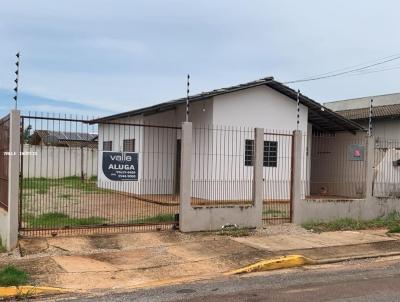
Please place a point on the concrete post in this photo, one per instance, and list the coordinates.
(13, 180)
(369, 166)
(186, 177)
(258, 181)
(296, 177)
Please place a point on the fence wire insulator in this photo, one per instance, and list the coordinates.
(187, 97)
(15, 97)
(298, 109)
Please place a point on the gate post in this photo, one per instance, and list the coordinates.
(13, 180)
(258, 181)
(295, 209)
(186, 177)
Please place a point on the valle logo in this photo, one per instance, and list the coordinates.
(120, 166)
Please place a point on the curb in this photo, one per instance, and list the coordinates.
(273, 264)
(29, 290)
(299, 260)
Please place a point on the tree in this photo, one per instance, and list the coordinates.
(27, 134)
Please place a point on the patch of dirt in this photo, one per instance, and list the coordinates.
(104, 242)
(281, 229)
(32, 246)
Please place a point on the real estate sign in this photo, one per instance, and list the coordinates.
(120, 166)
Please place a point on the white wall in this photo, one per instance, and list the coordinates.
(59, 162)
(265, 108)
(325, 210)
(259, 107)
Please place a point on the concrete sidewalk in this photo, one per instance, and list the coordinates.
(149, 259)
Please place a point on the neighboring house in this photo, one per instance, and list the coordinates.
(385, 129)
(64, 139)
(263, 103)
(385, 113)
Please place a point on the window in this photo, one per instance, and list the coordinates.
(248, 152)
(107, 146)
(270, 153)
(129, 145)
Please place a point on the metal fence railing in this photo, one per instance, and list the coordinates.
(386, 168)
(222, 165)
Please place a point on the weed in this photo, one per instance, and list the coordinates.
(65, 196)
(56, 219)
(12, 276)
(390, 221)
(154, 219)
(42, 185)
(235, 232)
(275, 213)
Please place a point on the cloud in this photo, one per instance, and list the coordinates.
(121, 55)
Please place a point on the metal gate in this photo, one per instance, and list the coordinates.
(277, 174)
(4, 148)
(81, 176)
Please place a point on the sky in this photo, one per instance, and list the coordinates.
(97, 57)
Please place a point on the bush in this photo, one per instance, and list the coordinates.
(11, 276)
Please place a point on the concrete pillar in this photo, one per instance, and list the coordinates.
(296, 177)
(186, 177)
(258, 181)
(369, 166)
(13, 180)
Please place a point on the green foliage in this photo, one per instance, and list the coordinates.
(27, 134)
(11, 276)
(234, 231)
(390, 221)
(154, 219)
(275, 213)
(55, 219)
(41, 185)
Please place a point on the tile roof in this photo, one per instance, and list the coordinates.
(63, 135)
(385, 111)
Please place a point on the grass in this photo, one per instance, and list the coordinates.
(390, 221)
(55, 219)
(12, 276)
(275, 213)
(235, 232)
(41, 185)
(154, 219)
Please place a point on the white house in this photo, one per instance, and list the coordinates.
(223, 122)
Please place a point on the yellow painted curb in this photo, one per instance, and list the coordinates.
(276, 263)
(28, 290)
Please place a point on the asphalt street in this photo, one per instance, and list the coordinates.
(366, 280)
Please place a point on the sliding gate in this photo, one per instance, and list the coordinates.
(84, 177)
